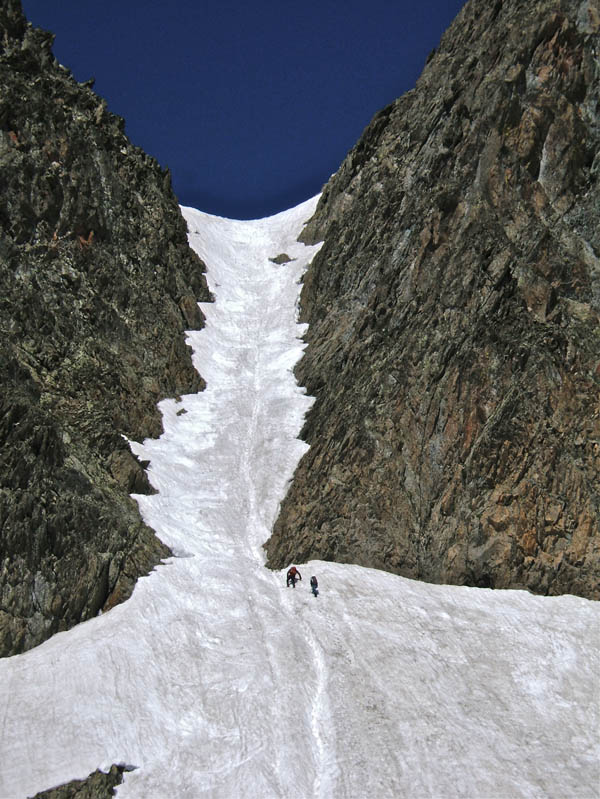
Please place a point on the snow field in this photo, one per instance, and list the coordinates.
(214, 680)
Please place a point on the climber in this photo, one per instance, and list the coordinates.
(293, 575)
(314, 585)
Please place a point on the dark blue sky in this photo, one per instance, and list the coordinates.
(252, 105)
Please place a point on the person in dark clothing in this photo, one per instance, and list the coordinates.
(314, 585)
(293, 575)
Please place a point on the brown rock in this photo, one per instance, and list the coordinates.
(453, 332)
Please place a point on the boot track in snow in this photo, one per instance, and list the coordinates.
(214, 680)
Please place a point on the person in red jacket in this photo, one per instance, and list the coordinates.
(293, 575)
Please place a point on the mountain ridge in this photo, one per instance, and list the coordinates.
(453, 332)
(98, 285)
(424, 456)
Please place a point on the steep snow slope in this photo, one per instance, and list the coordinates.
(215, 680)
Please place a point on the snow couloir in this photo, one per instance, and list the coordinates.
(215, 680)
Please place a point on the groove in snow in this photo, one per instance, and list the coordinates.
(215, 680)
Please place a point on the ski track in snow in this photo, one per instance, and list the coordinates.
(215, 680)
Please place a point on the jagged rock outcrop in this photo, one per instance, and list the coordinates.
(97, 285)
(454, 339)
(98, 785)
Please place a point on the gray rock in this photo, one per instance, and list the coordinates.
(453, 310)
(97, 286)
(282, 258)
(98, 785)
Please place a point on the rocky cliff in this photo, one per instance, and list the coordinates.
(454, 339)
(97, 285)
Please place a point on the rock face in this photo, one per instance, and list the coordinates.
(454, 339)
(97, 285)
(97, 786)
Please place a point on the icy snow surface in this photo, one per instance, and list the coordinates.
(214, 680)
